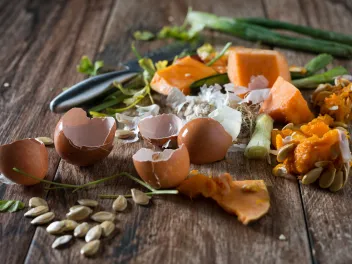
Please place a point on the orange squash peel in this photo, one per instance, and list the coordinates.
(248, 199)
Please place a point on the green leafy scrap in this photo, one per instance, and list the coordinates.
(87, 67)
(11, 206)
(143, 35)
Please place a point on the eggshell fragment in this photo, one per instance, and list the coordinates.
(83, 141)
(165, 169)
(28, 155)
(206, 140)
(160, 129)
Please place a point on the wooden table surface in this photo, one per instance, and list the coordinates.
(40, 45)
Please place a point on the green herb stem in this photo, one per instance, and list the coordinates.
(218, 56)
(157, 192)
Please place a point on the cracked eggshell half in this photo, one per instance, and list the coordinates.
(83, 141)
(160, 129)
(165, 169)
(206, 140)
(28, 155)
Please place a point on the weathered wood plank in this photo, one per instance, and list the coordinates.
(47, 36)
(329, 225)
(175, 229)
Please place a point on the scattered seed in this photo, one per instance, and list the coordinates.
(81, 230)
(346, 172)
(320, 97)
(56, 228)
(339, 124)
(90, 248)
(140, 197)
(94, 233)
(282, 237)
(6, 84)
(37, 201)
(36, 211)
(284, 151)
(289, 126)
(312, 175)
(107, 228)
(337, 184)
(280, 170)
(322, 164)
(75, 207)
(88, 202)
(124, 134)
(79, 213)
(103, 216)
(62, 240)
(43, 219)
(327, 178)
(45, 140)
(120, 204)
(69, 225)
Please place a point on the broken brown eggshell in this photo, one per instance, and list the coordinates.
(165, 169)
(28, 155)
(205, 139)
(160, 129)
(83, 141)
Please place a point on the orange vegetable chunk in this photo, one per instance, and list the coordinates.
(249, 200)
(286, 104)
(243, 63)
(181, 75)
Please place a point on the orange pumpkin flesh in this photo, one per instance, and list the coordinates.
(286, 104)
(181, 75)
(249, 200)
(243, 63)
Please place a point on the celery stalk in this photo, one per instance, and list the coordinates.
(259, 145)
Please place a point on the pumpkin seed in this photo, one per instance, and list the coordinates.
(76, 206)
(45, 140)
(43, 219)
(322, 164)
(56, 228)
(62, 240)
(36, 211)
(69, 225)
(284, 151)
(341, 129)
(346, 172)
(81, 230)
(337, 183)
(103, 216)
(88, 202)
(320, 97)
(322, 87)
(90, 248)
(94, 233)
(120, 203)
(140, 197)
(339, 124)
(312, 175)
(37, 201)
(289, 126)
(327, 178)
(107, 228)
(79, 213)
(280, 170)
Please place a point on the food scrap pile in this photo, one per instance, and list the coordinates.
(194, 110)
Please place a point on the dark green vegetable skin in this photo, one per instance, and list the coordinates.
(316, 64)
(309, 31)
(211, 80)
(254, 32)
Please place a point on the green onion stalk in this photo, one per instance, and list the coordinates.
(259, 144)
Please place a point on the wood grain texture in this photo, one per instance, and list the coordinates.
(38, 55)
(175, 229)
(327, 216)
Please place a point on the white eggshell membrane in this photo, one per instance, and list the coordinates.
(145, 154)
(83, 131)
(160, 126)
